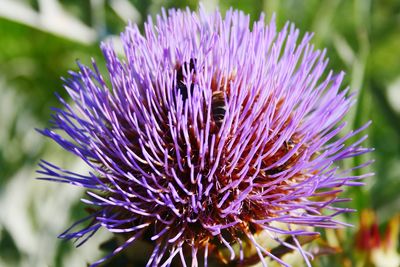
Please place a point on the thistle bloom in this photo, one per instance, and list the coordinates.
(205, 136)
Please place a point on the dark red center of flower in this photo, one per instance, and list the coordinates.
(190, 219)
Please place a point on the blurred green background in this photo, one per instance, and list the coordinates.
(40, 40)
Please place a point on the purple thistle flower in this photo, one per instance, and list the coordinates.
(206, 134)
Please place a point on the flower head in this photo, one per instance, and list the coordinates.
(205, 136)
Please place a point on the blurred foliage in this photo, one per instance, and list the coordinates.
(362, 38)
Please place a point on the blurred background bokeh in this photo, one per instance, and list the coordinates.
(40, 40)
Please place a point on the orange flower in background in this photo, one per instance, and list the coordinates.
(375, 248)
